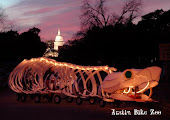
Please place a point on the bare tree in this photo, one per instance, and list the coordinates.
(130, 11)
(5, 24)
(97, 15)
(2, 15)
(94, 15)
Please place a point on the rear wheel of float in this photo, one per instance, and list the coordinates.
(92, 100)
(79, 101)
(23, 98)
(57, 99)
(116, 103)
(69, 99)
(37, 98)
(102, 103)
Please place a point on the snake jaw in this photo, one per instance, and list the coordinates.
(134, 85)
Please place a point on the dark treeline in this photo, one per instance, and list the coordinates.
(122, 45)
(15, 46)
(105, 39)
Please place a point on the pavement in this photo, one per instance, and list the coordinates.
(29, 110)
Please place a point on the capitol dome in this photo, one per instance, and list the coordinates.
(59, 41)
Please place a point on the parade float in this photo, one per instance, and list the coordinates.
(93, 83)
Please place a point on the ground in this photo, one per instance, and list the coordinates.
(29, 110)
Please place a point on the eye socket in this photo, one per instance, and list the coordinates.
(128, 74)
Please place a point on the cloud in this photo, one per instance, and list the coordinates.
(152, 5)
(47, 15)
(67, 22)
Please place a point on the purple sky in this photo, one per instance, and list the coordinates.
(50, 15)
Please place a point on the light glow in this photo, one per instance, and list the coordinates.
(143, 88)
(73, 78)
(67, 76)
(130, 88)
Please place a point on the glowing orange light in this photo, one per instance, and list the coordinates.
(143, 88)
(130, 87)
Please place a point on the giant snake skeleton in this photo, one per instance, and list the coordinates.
(75, 81)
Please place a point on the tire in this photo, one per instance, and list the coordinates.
(57, 99)
(79, 100)
(23, 98)
(69, 99)
(18, 96)
(37, 98)
(92, 100)
(116, 103)
(102, 103)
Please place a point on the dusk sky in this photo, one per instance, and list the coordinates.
(50, 15)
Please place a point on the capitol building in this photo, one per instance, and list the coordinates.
(53, 46)
(59, 41)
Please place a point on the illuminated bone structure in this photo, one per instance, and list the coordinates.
(131, 84)
(77, 81)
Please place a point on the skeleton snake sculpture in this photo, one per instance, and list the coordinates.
(30, 78)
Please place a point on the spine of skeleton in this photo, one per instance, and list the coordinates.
(30, 77)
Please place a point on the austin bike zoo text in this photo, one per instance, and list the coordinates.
(136, 112)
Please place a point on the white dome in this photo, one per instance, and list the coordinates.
(59, 37)
(59, 41)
